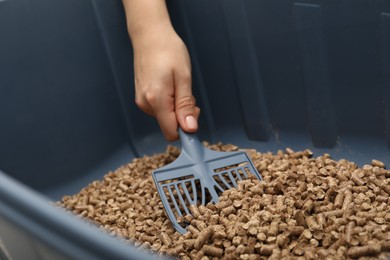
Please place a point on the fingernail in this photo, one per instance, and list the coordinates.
(191, 123)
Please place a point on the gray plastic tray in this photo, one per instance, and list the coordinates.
(266, 74)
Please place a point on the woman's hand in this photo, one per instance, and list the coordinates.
(162, 68)
(162, 71)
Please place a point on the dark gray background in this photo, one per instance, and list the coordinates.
(266, 74)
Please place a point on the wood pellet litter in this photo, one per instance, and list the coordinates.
(305, 208)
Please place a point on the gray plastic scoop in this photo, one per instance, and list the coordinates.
(198, 176)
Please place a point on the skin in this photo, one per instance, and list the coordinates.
(162, 68)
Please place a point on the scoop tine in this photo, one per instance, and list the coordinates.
(185, 207)
(203, 195)
(189, 199)
(219, 187)
(194, 191)
(174, 201)
(237, 174)
(224, 181)
(232, 179)
(242, 169)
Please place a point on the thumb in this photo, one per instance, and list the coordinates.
(186, 111)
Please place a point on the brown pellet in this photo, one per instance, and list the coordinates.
(194, 211)
(334, 213)
(349, 231)
(165, 239)
(357, 180)
(338, 202)
(347, 200)
(266, 249)
(189, 243)
(296, 231)
(300, 218)
(228, 210)
(212, 251)
(367, 250)
(199, 224)
(176, 250)
(312, 223)
(377, 163)
(224, 204)
(385, 244)
(204, 235)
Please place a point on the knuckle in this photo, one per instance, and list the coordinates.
(185, 102)
(140, 103)
(151, 98)
(186, 78)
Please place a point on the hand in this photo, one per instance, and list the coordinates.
(162, 71)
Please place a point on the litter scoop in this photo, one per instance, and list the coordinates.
(198, 176)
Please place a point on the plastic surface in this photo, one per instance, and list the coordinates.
(31, 228)
(266, 75)
(198, 176)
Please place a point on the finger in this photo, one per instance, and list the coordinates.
(185, 108)
(166, 118)
(162, 105)
(197, 112)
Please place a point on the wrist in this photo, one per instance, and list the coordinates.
(149, 34)
(148, 22)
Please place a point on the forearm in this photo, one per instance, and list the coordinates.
(146, 19)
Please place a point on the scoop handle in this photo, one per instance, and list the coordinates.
(191, 145)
